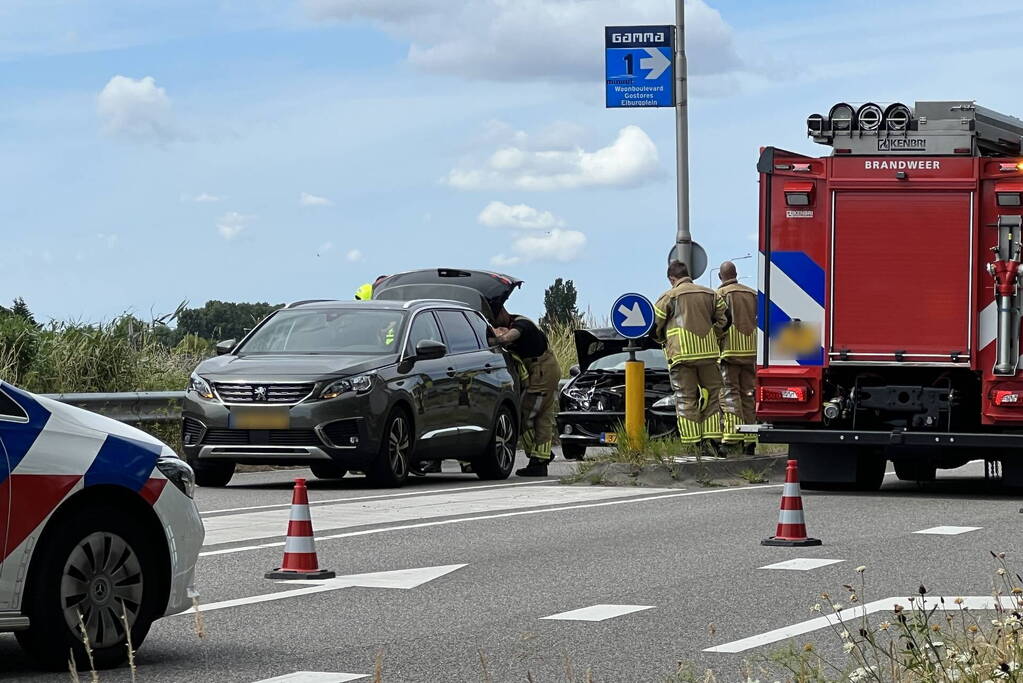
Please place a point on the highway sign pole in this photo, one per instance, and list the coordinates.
(632, 316)
(683, 237)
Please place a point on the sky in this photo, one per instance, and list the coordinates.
(154, 151)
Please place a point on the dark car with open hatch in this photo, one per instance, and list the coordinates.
(372, 386)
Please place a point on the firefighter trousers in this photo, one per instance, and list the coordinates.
(697, 423)
(737, 404)
(539, 405)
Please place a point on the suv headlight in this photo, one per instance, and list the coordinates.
(359, 384)
(200, 386)
(178, 473)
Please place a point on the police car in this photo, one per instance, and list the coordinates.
(97, 530)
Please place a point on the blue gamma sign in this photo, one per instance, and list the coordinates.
(632, 316)
(639, 66)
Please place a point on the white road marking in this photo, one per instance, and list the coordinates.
(477, 518)
(948, 530)
(249, 526)
(979, 602)
(382, 496)
(598, 612)
(403, 578)
(802, 563)
(314, 677)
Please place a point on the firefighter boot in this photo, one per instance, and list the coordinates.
(537, 467)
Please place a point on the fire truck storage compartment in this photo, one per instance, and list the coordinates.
(900, 276)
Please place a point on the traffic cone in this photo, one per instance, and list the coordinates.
(299, 546)
(791, 526)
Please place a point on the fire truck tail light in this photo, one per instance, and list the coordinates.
(801, 168)
(1010, 168)
(1012, 399)
(795, 394)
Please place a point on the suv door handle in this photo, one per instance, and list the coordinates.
(451, 372)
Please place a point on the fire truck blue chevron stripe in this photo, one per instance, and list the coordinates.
(124, 462)
(802, 270)
(19, 436)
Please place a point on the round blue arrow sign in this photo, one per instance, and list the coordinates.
(632, 316)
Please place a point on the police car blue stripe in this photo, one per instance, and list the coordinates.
(802, 270)
(124, 462)
(18, 437)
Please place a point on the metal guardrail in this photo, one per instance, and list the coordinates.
(131, 407)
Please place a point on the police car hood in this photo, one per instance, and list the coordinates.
(604, 341)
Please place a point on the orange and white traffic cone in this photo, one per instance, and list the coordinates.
(791, 525)
(299, 547)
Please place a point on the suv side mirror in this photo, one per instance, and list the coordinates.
(574, 371)
(225, 347)
(429, 349)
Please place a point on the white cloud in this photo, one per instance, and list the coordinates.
(502, 261)
(306, 199)
(558, 245)
(627, 162)
(354, 255)
(201, 198)
(232, 224)
(521, 216)
(528, 40)
(137, 109)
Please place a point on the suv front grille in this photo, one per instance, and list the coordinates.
(261, 437)
(191, 431)
(262, 393)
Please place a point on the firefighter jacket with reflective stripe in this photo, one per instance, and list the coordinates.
(739, 344)
(690, 320)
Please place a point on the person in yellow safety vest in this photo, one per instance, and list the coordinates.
(689, 323)
(364, 292)
(738, 358)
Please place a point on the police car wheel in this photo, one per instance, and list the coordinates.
(498, 461)
(391, 467)
(98, 569)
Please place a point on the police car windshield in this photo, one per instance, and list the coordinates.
(314, 331)
(653, 358)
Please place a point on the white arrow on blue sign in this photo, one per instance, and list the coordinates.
(632, 316)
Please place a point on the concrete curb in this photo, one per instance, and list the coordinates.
(721, 472)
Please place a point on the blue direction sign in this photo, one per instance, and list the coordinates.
(639, 66)
(632, 316)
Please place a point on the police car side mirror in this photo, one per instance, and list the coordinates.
(574, 371)
(225, 347)
(429, 349)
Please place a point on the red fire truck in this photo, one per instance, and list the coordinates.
(889, 287)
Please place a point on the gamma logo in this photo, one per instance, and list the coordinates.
(901, 145)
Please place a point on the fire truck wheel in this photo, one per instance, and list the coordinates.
(1012, 472)
(915, 470)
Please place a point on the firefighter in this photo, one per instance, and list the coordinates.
(690, 320)
(524, 339)
(738, 358)
(364, 292)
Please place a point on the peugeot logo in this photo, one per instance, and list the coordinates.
(259, 393)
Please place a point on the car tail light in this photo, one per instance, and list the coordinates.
(1010, 399)
(794, 394)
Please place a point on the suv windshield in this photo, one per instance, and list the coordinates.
(654, 359)
(339, 331)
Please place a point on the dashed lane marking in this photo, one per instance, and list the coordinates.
(382, 496)
(314, 677)
(803, 563)
(948, 530)
(478, 518)
(598, 612)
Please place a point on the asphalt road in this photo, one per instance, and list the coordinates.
(684, 568)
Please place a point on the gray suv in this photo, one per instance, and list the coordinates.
(374, 386)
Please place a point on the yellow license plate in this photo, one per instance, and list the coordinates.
(269, 417)
(609, 437)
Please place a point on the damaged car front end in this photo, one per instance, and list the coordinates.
(592, 403)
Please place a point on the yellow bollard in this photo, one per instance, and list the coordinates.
(635, 398)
